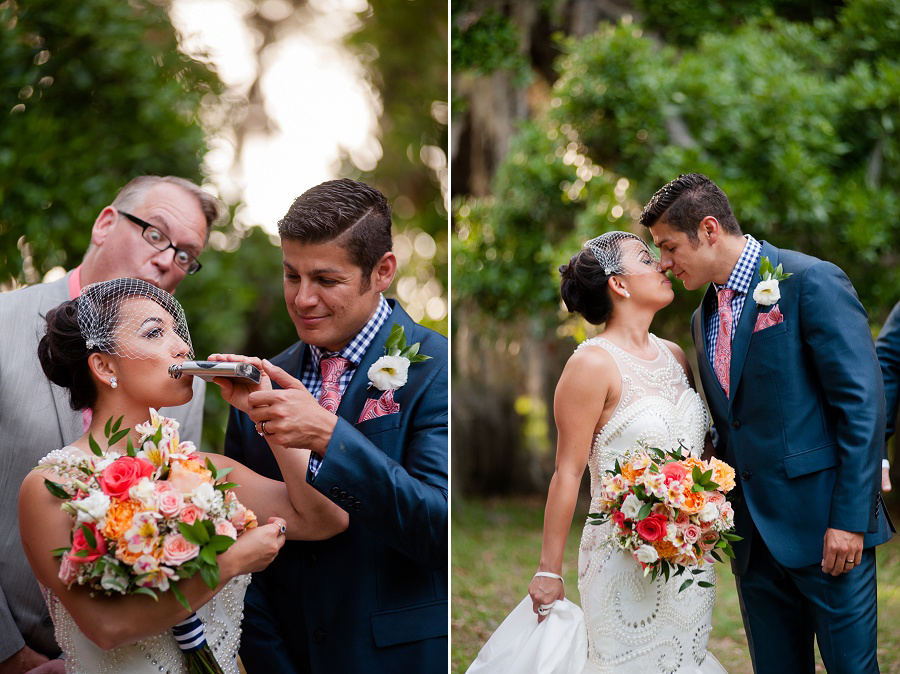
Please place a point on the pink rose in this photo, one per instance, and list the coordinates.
(79, 543)
(682, 520)
(191, 513)
(674, 472)
(715, 497)
(652, 527)
(68, 571)
(691, 533)
(708, 540)
(122, 474)
(226, 528)
(170, 499)
(177, 550)
(239, 517)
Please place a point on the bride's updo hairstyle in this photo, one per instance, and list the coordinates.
(585, 280)
(88, 324)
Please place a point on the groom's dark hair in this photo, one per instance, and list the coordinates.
(685, 201)
(346, 212)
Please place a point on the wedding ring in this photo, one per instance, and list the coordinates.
(544, 609)
(849, 561)
(262, 428)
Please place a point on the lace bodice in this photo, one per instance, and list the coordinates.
(159, 654)
(657, 407)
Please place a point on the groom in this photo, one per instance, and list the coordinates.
(796, 395)
(374, 598)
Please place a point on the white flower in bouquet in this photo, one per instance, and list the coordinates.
(93, 508)
(767, 293)
(145, 493)
(654, 483)
(631, 506)
(612, 485)
(110, 580)
(389, 372)
(646, 554)
(709, 513)
(207, 497)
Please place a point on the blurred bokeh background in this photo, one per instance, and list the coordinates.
(567, 115)
(258, 100)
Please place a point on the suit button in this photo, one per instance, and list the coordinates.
(746, 475)
(350, 501)
(335, 492)
(48, 621)
(343, 496)
(318, 636)
(357, 505)
(735, 424)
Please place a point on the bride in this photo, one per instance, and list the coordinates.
(111, 348)
(619, 389)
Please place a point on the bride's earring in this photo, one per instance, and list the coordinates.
(113, 383)
(627, 294)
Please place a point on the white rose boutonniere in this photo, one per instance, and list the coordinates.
(767, 291)
(390, 371)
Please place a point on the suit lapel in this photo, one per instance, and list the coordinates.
(357, 390)
(744, 331)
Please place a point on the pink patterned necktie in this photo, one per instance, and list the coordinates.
(332, 369)
(722, 358)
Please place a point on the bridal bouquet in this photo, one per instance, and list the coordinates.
(669, 510)
(146, 518)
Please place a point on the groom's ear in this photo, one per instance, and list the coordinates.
(709, 230)
(383, 272)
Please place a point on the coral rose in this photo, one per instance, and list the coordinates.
(674, 472)
(122, 474)
(652, 527)
(118, 518)
(80, 543)
(708, 540)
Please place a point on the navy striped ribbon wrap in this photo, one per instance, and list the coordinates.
(189, 634)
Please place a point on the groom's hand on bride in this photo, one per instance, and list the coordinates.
(236, 391)
(292, 416)
(842, 551)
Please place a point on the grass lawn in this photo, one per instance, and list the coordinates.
(496, 544)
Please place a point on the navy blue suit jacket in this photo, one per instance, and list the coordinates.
(804, 425)
(373, 598)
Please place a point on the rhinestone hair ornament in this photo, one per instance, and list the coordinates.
(126, 316)
(616, 257)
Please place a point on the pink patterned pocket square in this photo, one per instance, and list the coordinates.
(768, 319)
(379, 407)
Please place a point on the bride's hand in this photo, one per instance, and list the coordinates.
(235, 391)
(254, 549)
(545, 591)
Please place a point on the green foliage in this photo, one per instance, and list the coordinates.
(795, 121)
(93, 93)
(484, 42)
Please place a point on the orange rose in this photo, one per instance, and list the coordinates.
(693, 502)
(723, 474)
(123, 554)
(665, 549)
(187, 475)
(118, 518)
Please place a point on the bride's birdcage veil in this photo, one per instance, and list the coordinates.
(617, 255)
(106, 317)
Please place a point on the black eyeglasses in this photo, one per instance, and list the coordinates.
(185, 261)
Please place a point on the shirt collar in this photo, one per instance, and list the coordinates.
(742, 275)
(356, 348)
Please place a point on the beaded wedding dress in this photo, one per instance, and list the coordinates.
(159, 654)
(635, 625)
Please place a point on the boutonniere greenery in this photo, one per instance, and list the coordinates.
(767, 292)
(390, 371)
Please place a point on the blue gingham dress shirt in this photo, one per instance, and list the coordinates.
(311, 373)
(739, 281)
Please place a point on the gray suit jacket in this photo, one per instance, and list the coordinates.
(35, 418)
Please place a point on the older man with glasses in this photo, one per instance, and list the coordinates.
(155, 230)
